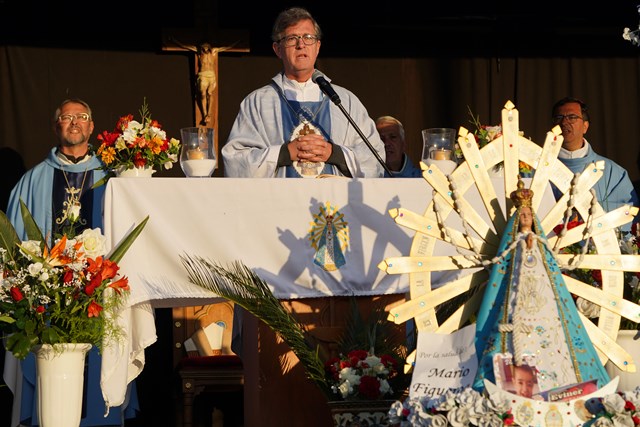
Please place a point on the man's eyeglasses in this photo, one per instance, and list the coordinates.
(571, 118)
(290, 41)
(67, 118)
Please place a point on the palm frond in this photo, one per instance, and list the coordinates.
(30, 225)
(240, 284)
(9, 239)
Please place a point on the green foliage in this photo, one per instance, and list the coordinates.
(60, 294)
(241, 285)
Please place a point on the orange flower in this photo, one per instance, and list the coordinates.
(94, 309)
(109, 269)
(121, 284)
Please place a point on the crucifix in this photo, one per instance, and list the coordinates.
(205, 40)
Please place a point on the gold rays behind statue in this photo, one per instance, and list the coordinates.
(469, 212)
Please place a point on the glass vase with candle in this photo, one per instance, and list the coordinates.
(438, 146)
(197, 155)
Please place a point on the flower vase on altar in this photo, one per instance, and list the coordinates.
(360, 413)
(60, 381)
(135, 172)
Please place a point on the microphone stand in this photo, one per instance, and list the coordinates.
(364, 138)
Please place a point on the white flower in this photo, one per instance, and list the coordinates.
(154, 131)
(345, 388)
(31, 247)
(95, 244)
(131, 132)
(587, 308)
(385, 387)
(74, 212)
(35, 269)
(623, 420)
(614, 403)
(458, 417)
(438, 420)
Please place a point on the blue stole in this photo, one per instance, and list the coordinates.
(321, 121)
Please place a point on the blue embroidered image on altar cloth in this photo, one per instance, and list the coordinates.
(329, 236)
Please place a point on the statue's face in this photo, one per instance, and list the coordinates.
(526, 219)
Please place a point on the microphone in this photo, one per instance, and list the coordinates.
(325, 86)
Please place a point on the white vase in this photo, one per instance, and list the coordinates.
(144, 172)
(628, 380)
(60, 381)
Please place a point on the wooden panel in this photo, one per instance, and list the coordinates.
(273, 374)
(187, 320)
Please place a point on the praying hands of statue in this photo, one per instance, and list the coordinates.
(529, 240)
(310, 147)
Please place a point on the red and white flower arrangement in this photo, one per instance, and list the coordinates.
(134, 144)
(361, 375)
(59, 294)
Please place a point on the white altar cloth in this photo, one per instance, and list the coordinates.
(262, 222)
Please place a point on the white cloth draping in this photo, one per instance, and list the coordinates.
(262, 222)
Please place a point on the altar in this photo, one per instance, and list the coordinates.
(267, 224)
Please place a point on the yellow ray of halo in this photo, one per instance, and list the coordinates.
(430, 227)
(609, 348)
(609, 262)
(409, 309)
(401, 265)
(586, 180)
(544, 165)
(440, 183)
(609, 221)
(478, 170)
(607, 301)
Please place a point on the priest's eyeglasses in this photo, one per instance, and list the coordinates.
(292, 40)
(80, 117)
(571, 118)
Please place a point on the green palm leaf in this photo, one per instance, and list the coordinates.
(245, 288)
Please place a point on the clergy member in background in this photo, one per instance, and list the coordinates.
(50, 190)
(395, 146)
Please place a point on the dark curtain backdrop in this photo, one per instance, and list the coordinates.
(422, 92)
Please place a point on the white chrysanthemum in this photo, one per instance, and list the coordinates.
(95, 244)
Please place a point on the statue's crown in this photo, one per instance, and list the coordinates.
(522, 196)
